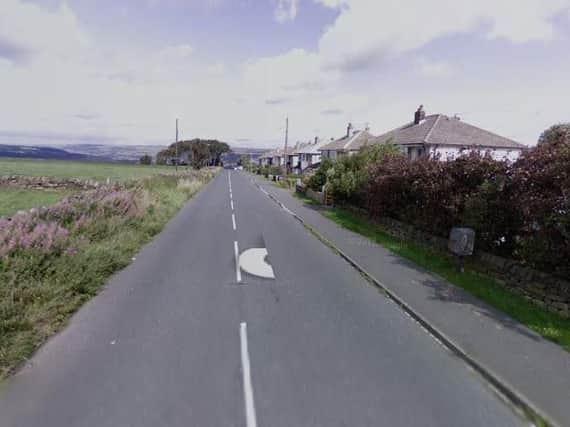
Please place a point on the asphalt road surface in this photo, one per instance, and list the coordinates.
(183, 337)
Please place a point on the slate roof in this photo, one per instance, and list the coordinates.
(348, 143)
(312, 147)
(438, 129)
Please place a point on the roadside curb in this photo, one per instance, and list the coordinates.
(500, 386)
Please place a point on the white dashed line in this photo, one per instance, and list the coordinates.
(238, 271)
(234, 222)
(247, 385)
(232, 204)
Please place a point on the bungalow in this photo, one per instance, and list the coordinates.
(310, 154)
(350, 143)
(265, 159)
(447, 138)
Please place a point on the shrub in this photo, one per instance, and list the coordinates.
(145, 160)
(540, 184)
(317, 180)
(349, 175)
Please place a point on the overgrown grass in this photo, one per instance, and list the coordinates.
(482, 286)
(15, 199)
(39, 292)
(81, 170)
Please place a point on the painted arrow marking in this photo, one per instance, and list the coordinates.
(253, 261)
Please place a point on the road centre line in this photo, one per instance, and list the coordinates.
(247, 384)
(238, 271)
(232, 204)
(234, 222)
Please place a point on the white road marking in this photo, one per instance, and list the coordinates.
(253, 261)
(250, 417)
(238, 271)
(232, 204)
(234, 221)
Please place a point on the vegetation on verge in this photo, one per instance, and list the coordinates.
(482, 286)
(54, 259)
(518, 210)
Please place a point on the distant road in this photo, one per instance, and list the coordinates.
(184, 338)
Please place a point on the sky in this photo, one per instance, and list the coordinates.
(122, 71)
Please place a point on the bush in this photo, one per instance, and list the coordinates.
(540, 184)
(319, 178)
(349, 175)
(519, 210)
(145, 160)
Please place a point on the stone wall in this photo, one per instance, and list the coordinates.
(46, 183)
(317, 196)
(543, 289)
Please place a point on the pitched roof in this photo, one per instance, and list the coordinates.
(312, 147)
(438, 129)
(347, 143)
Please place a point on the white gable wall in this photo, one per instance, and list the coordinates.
(451, 153)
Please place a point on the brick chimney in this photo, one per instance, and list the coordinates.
(419, 115)
(348, 130)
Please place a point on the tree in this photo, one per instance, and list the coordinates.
(201, 152)
(145, 160)
(556, 134)
(245, 161)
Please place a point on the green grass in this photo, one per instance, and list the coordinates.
(82, 170)
(482, 286)
(16, 199)
(39, 293)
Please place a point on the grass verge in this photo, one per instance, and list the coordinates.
(13, 200)
(40, 291)
(482, 286)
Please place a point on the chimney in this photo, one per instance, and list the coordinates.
(316, 139)
(348, 130)
(419, 115)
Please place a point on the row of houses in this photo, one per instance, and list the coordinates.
(436, 136)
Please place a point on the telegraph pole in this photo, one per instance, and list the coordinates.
(286, 141)
(176, 146)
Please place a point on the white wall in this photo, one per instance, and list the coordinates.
(451, 153)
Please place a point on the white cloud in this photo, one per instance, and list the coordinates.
(366, 30)
(286, 10)
(37, 31)
(59, 78)
(429, 68)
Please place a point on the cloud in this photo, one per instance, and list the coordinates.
(276, 101)
(68, 73)
(332, 112)
(366, 31)
(93, 116)
(14, 52)
(286, 10)
(26, 28)
(434, 69)
(50, 137)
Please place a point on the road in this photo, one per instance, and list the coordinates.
(182, 337)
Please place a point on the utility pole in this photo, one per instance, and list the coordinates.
(176, 147)
(286, 141)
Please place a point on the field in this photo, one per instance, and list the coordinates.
(15, 199)
(82, 170)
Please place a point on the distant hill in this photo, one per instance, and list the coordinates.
(106, 153)
(32, 152)
(117, 153)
